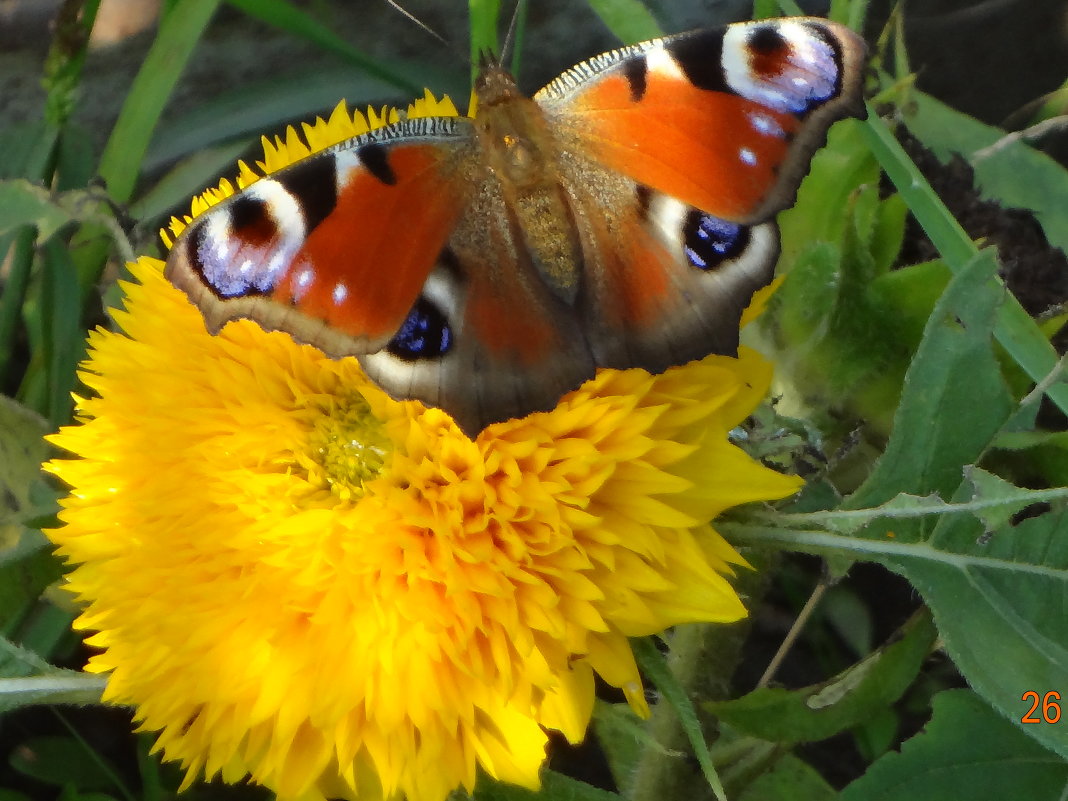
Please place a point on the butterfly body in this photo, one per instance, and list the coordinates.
(489, 264)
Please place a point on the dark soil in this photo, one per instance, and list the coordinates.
(1035, 271)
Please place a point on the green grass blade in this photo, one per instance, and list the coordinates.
(849, 12)
(63, 334)
(253, 109)
(289, 17)
(629, 20)
(189, 176)
(484, 19)
(653, 665)
(178, 34)
(20, 243)
(121, 160)
(763, 9)
(1015, 330)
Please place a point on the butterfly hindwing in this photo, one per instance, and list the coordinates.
(665, 282)
(510, 345)
(677, 153)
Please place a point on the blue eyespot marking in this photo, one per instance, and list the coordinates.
(709, 241)
(425, 334)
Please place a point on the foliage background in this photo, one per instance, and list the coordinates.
(930, 457)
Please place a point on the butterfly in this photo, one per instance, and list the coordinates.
(487, 265)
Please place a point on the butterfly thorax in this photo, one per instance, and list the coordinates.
(519, 154)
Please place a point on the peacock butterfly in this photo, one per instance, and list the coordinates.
(487, 265)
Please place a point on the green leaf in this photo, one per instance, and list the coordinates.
(64, 337)
(850, 698)
(250, 110)
(997, 596)
(999, 606)
(1005, 499)
(28, 680)
(629, 20)
(60, 761)
(910, 294)
(23, 203)
(837, 336)
(905, 507)
(75, 158)
(836, 171)
(790, 779)
(623, 737)
(22, 449)
(655, 667)
(120, 164)
(1007, 171)
(763, 9)
(1015, 330)
(19, 245)
(178, 34)
(555, 787)
(171, 193)
(290, 17)
(850, 617)
(27, 568)
(954, 367)
(28, 150)
(966, 751)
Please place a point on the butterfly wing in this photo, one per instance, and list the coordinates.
(509, 346)
(336, 248)
(691, 143)
(397, 248)
(666, 282)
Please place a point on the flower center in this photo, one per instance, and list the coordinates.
(349, 446)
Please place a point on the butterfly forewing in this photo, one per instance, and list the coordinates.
(724, 120)
(336, 248)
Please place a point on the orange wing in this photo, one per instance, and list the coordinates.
(336, 248)
(676, 154)
(724, 120)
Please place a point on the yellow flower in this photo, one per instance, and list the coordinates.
(294, 577)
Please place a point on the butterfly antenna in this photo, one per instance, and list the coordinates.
(509, 39)
(419, 23)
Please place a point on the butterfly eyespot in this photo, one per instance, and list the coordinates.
(709, 241)
(425, 334)
(250, 220)
(766, 41)
(215, 261)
